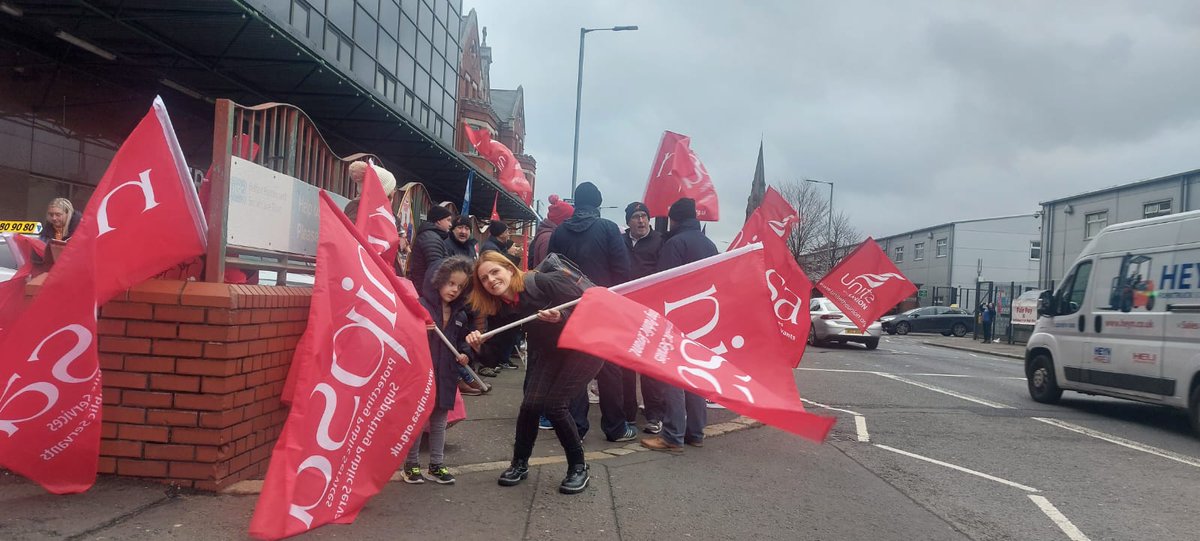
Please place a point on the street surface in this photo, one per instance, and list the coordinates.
(931, 443)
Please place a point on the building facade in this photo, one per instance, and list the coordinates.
(1069, 223)
(946, 260)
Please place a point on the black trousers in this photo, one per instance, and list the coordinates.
(555, 378)
(614, 399)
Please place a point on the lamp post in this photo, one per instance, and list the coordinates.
(579, 97)
(829, 233)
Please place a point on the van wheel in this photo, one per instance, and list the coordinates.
(959, 330)
(872, 344)
(902, 328)
(1042, 385)
(1194, 409)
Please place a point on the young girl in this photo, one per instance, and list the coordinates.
(443, 298)
(554, 376)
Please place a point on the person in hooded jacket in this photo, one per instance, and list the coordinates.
(500, 240)
(559, 212)
(685, 414)
(460, 243)
(429, 246)
(595, 245)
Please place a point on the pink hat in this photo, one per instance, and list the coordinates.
(559, 210)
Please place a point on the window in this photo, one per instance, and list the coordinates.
(1093, 223)
(919, 251)
(409, 100)
(1070, 296)
(1157, 208)
(366, 30)
(1035, 250)
(941, 248)
(300, 16)
(338, 45)
(385, 84)
(899, 257)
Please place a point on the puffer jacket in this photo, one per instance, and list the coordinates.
(595, 245)
(429, 248)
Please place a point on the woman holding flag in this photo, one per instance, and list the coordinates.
(555, 376)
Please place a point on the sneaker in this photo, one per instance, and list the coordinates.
(439, 474)
(593, 391)
(489, 372)
(694, 443)
(544, 424)
(509, 365)
(412, 474)
(713, 405)
(576, 480)
(516, 472)
(652, 427)
(629, 434)
(657, 443)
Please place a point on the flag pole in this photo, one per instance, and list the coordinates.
(446, 341)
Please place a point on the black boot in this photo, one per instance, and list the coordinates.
(576, 480)
(516, 472)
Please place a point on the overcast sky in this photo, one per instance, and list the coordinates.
(920, 112)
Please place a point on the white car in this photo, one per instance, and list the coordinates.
(829, 324)
(9, 262)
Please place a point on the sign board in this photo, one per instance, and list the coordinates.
(922, 293)
(1024, 308)
(27, 228)
(269, 210)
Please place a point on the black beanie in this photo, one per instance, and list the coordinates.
(461, 221)
(684, 209)
(437, 213)
(632, 209)
(588, 195)
(497, 228)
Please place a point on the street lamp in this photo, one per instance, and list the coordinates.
(830, 232)
(579, 96)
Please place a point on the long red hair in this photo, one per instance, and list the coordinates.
(483, 302)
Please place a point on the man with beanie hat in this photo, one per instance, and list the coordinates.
(429, 246)
(500, 240)
(685, 414)
(559, 212)
(644, 244)
(460, 243)
(595, 245)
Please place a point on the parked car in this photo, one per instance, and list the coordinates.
(829, 324)
(8, 259)
(931, 319)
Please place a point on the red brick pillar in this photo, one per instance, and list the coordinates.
(192, 375)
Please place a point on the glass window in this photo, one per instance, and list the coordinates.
(409, 7)
(408, 35)
(1094, 223)
(387, 52)
(1035, 250)
(1157, 208)
(421, 87)
(385, 84)
(389, 17)
(919, 251)
(372, 6)
(425, 20)
(405, 68)
(899, 254)
(300, 16)
(439, 38)
(365, 30)
(341, 14)
(448, 105)
(424, 50)
(338, 45)
(409, 100)
(942, 247)
(424, 119)
(443, 11)
(1070, 295)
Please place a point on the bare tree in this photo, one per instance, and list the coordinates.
(812, 243)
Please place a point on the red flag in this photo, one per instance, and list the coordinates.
(736, 371)
(510, 175)
(866, 284)
(370, 395)
(12, 291)
(375, 218)
(791, 291)
(142, 218)
(495, 215)
(677, 172)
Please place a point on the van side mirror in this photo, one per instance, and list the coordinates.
(1045, 305)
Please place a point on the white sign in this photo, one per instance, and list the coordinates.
(1024, 308)
(269, 210)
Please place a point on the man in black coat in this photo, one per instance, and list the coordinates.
(595, 245)
(686, 414)
(500, 240)
(644, 244)
(429, 246)
(460, 242)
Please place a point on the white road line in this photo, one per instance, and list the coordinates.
(958, 468)
(838, 370)
(1059, 519)
(966, 376)
(860, 422)
(947, 392)
(1169, 455)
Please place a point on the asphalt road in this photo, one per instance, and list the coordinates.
(958, 434)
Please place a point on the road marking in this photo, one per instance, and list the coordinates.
(966, 376)
(973, 355)
(839, 370)
(885, 374)
(958, 468)
(1059, 519)
(860, 422)
(1170, 455)
(947, 392)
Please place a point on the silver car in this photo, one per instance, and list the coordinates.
(829, 324)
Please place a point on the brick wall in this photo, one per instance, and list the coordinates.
(192, 375)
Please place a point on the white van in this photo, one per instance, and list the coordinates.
(1125, 321)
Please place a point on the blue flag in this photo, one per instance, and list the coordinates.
(466, 206)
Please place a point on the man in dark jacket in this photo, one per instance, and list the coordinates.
(595, 245)
(500, 240)
(644, 244)
(686, 414)
(460, 242)
(429, 246)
